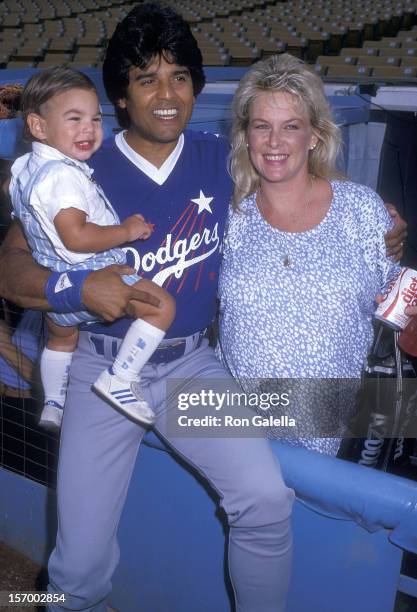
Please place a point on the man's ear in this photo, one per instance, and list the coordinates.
(121, 103)
(36, 126)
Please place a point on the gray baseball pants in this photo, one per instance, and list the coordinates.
(97, 455)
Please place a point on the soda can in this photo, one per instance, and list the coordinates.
(407, 339)
(401, 293)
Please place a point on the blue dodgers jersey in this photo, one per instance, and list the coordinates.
(188, 212)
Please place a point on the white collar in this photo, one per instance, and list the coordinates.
(46, 152)
(158, 175)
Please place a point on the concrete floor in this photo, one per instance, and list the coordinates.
(17, 573)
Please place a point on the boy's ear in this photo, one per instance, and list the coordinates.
(36, 126)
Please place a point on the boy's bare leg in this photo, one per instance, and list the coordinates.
(162, 316)
(60, 337)
(119, 384)
(55, 364)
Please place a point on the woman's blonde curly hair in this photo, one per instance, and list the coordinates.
(283, 73)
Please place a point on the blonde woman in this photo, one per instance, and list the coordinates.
(304, 256)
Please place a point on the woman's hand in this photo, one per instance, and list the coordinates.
(395, 238)
(408, 337)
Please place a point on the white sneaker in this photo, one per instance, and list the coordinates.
(125, 396)
(51, 416)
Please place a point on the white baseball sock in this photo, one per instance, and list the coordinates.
(140, 342)
(55, 367)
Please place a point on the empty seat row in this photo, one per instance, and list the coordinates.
(367, 60)
(237, 31)
(358, 73)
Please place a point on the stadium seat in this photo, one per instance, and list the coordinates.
(379, 60)
(394, 73)
(349, 72)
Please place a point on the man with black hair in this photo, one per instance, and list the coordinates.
(178, 180)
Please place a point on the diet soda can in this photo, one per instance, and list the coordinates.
(401, 293)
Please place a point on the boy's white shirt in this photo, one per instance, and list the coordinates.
(62, 186)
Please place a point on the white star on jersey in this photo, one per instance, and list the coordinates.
(203, 203)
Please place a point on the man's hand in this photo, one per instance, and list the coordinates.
(105, 293)
(23, 281)
(395, 238)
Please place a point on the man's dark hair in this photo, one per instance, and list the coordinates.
(149, 31)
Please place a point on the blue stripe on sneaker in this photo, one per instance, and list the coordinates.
(124, 396)
(121, 392)
(53, 404)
